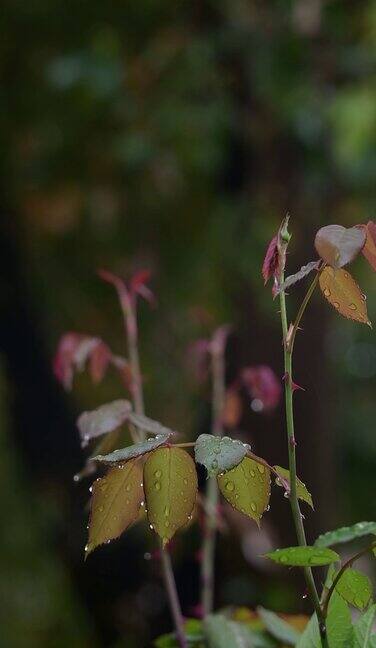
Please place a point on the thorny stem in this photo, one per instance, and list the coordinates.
(130, 321)
(345, 566)
(294, 502)
(301, 310)
(210, 524)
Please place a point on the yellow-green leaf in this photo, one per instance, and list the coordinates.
(247, 488)
(115, 503)
(170, 483)
(344, 294)
(301, 488)
(355, 588)
(303, 556)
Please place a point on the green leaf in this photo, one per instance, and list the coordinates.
(303, 556)
(219, 454)
(115, 503)
(346, 534)
(193, 633)
(301, 488)
(278, 628)
(147, 424)
(362, 629)
(247, 488)
(136, 450)
(338, 626)
(170, 483)
(223, 633)
(355, 588)
(102, 420)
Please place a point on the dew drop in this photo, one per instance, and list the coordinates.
(283, 559)
(142, 503)
(336, 304)
(128, 488)
(230, 486)
(167, 511)
(352, 307)
(253, 507)
(185, 482)
(157, 485)
(101, 509)
(151, 527)
(86, 548)
(147, 555)
(158, 474)
(252, 473)
(90, 489)
(115, 518)
(267, 508)
(327, 292)
(76, 478)
(167, 524)
(260, 468)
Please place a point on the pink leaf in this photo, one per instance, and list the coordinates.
(270, 264)
(263, 386)
(73, 352)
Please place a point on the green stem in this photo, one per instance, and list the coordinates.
(300, 314)
(345, 566)
(210, 527)
(294, 502)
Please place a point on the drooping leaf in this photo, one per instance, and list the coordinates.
(73, 352)
(338, 245)
(220, 632)
(270, 264)
(263, 387)
(247, 488)
(278, 628)
(301, 488)
(124, 454)
(355, 588)
(219, 454)
(298, 276)
(104, 419)
(149, 425)
(338, 625)
(344, 294)
(115, 504)
(362, 629)
(170, 483)
(369, 249)
(346, 534)
(303, 556)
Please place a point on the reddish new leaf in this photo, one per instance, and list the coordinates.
(338, 245)
(74, 351)
(270, 264)
(369, 249)
(263, 386)
(344, 294)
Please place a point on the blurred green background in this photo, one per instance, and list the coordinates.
(174, 135)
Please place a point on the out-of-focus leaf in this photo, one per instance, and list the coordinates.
(115, 503)
(233, 408)
(278, 628)
(303, 556)
(338, 245)
(362, 629)
(355, 588)
(301, 488)
(270, 264)
(219, 454)
(193, 634)
(105, 418)
(263, 387)
(346, 534)
(74, 350)
(369, 249)
(339, 629)
(170, 483)
(223, 633)
(298, 276)
(149, 425)
(247, 488)
(124, 454)
(344, 294)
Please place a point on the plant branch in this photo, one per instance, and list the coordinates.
(263, 462)
(303, 306)
(217, 349)
(294, 502)
(130, 321)
(345, 566)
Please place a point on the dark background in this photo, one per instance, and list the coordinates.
(174, 135)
